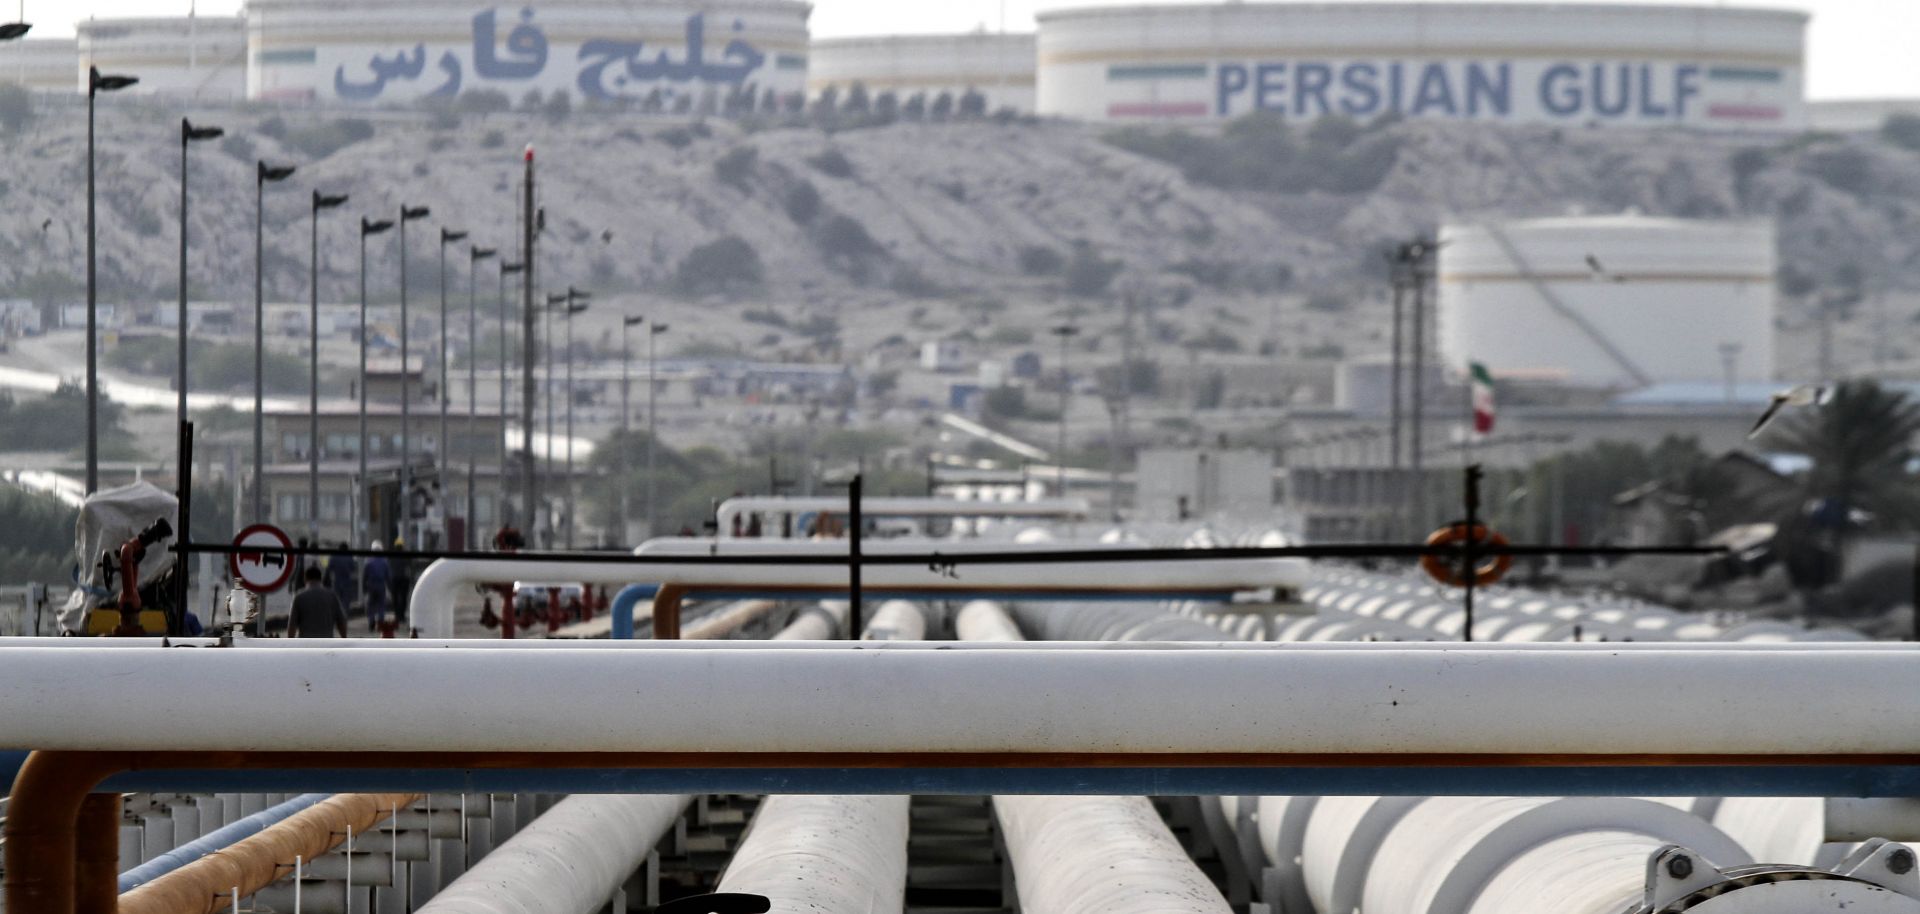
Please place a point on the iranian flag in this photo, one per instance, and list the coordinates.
(1482, 398)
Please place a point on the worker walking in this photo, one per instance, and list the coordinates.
(375, 581)
(317, 613)
(341, 575)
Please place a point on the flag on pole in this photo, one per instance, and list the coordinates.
(1482, 382)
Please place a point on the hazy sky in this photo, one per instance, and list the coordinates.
(1857, 48)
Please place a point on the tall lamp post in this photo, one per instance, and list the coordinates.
(355, 516)
(263, 174)
(576, 303)
(96, 84)
(320, 201)
(189, 134)
(653, 437)
(474, 256)
(626, 415)
(407, 214)
(444, 456)
(1065, 332)
(506, 322)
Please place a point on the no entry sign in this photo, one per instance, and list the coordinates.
(261, 572)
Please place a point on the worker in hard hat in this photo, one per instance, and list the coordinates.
(376, 585)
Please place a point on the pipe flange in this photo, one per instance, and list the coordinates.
(1734, 880)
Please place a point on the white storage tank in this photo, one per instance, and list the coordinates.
(696, 53)
(197, 57)
(999, 66)
(1576, 64)
(1610, 301)
(41, 64)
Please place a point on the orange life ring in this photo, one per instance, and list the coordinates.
(1446, 569)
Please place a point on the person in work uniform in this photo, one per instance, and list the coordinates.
(317, 613)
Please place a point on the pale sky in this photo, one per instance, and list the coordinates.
(1856, 48)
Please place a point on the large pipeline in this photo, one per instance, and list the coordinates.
(832, 853)
(205, 885)
(1090, 855)
(178, 857)
(1362, 699)
(570, 860)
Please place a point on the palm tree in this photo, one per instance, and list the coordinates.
(1860, 444)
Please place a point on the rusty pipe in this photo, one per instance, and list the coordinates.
(41, 841)
(96, 865)
(257, 861)
(666, 611)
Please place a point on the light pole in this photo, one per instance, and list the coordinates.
(626, 415)
(367, 227)
(653, 485)
(189, 134)
(554, 300)
(11, 30)
(506, 478)
(528, 237)
(576, 303)
(443, 459)
(407, 214)
(320, 201)
(96, 84)
(1065, 332)
(474, 256)
(263, 174)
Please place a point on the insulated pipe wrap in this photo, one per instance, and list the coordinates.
(1100, 855)
(825, 855)
(569, 861)
(257, 861)
(178, 857)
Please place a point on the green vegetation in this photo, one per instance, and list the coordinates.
(1261, 152)
(214, 366)
(55, 422)
(318, 141)
(1088, 274)
(1902, 130)
(727, 265)
(1040, 260)
(16, 107)
(736, 168)
(36, 537)
(833, 163)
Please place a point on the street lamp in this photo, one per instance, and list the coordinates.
(320, 201)
(407, 214)
(626, 414)
(96, 84)
(474, 256)
(188, 134)
(445, 455)
(554, 300)
(507, 269)
(367, 228)
(653, 504)
(1065, 332)
(12, 30)
(263, 175)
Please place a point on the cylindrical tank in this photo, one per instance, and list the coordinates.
(1619, 301)
(198, 57)
(998, 66)
(678, 55)
(1574, 63)
(42, 64)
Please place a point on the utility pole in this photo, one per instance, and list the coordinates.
(527, 344)
(1065, 332)
(626, 418)
(443, 458)
(1418, 254)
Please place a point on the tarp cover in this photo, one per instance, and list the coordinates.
(112, 517)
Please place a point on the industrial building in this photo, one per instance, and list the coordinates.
(203, 58)
(1576, 298)
(375, 52)
(996, 65)
(1573, 64)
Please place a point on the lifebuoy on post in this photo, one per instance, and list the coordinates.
(1447, 568)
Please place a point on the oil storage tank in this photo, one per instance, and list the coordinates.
(1615, 302)
(197, 57)
(998, 66)
(42, 64)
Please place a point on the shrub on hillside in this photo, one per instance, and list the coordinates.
(727, 265)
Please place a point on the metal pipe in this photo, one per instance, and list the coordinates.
(97, 854)
(571, 860)
(1100, 855)
(1041, 509)
(187, 853)
(253, 863)
(825, 853)
(1489, 699)
(431, 608)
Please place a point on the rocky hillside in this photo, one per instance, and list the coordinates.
(1021, 216)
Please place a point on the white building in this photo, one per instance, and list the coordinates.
(1610, 301)
(41, 64)
(379, 52)
(999, 66)
(197, 57)
(1558, 63)
(1854, 114)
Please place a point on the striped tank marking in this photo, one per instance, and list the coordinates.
(1124, 73)
(1744, 112)
(287, 56)
(1158, 109)
(790, 62)
(1744, 74)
